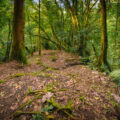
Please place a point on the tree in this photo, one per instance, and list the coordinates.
(18, 49)
(39, 41)
(73, 11)
(104, 39)
(8, 42)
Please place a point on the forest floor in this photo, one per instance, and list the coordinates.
(75, 92)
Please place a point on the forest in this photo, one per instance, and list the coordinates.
(59, 59)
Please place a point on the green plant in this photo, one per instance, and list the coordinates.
(29, 90)
(84, 60)
(49, 87)
(39, 117)
(48, 108)
(115, 75)
(82, 98)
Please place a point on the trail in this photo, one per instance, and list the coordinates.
(90, 91)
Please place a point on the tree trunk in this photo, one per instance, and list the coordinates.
(39, 41)
(104, 40)
(30, 37)
(18, 48)
(73, 11)
(8, 42)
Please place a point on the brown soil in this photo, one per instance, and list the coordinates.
(90, 91)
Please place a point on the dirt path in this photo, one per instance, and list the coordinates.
(61, 74)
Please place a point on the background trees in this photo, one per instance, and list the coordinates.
(71, 25)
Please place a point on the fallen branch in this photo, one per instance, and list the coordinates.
(62, 109)
(23, 106)
(18, 113)
(71, 116)
(33, 112)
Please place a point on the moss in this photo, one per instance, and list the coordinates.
(41, 63)
(53, 58)
(29, 90)
(65, 107)
(94, 87)
(49, 88)
(70, 59)
(19, 55)
(50, 69)
(47, 75)
(22, 57)
(2, 81)
(38, 61)
(18, 75)
(82, 98)
(64, 89)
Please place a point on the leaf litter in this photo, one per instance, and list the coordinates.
(92, 96)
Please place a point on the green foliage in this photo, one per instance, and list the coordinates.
(38, 117)
(85, 60)
(82, 98)
(72, 50)
(49, 88)
(115, 75)
(58, 31)
(48, 108)
(29, 90)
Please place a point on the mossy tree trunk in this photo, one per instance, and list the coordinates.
(18, 47)
(104, 39)
(73, 11)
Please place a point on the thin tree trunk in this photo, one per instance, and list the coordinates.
(8, 42)
(39, 41)
(81, 38)
(18, 47)
(30, 37)
(116, 28)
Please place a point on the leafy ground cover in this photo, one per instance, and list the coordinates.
(56, 86)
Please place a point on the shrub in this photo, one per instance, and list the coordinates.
(115, 75)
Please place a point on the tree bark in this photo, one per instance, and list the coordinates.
(104, 40)
(18, 47)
